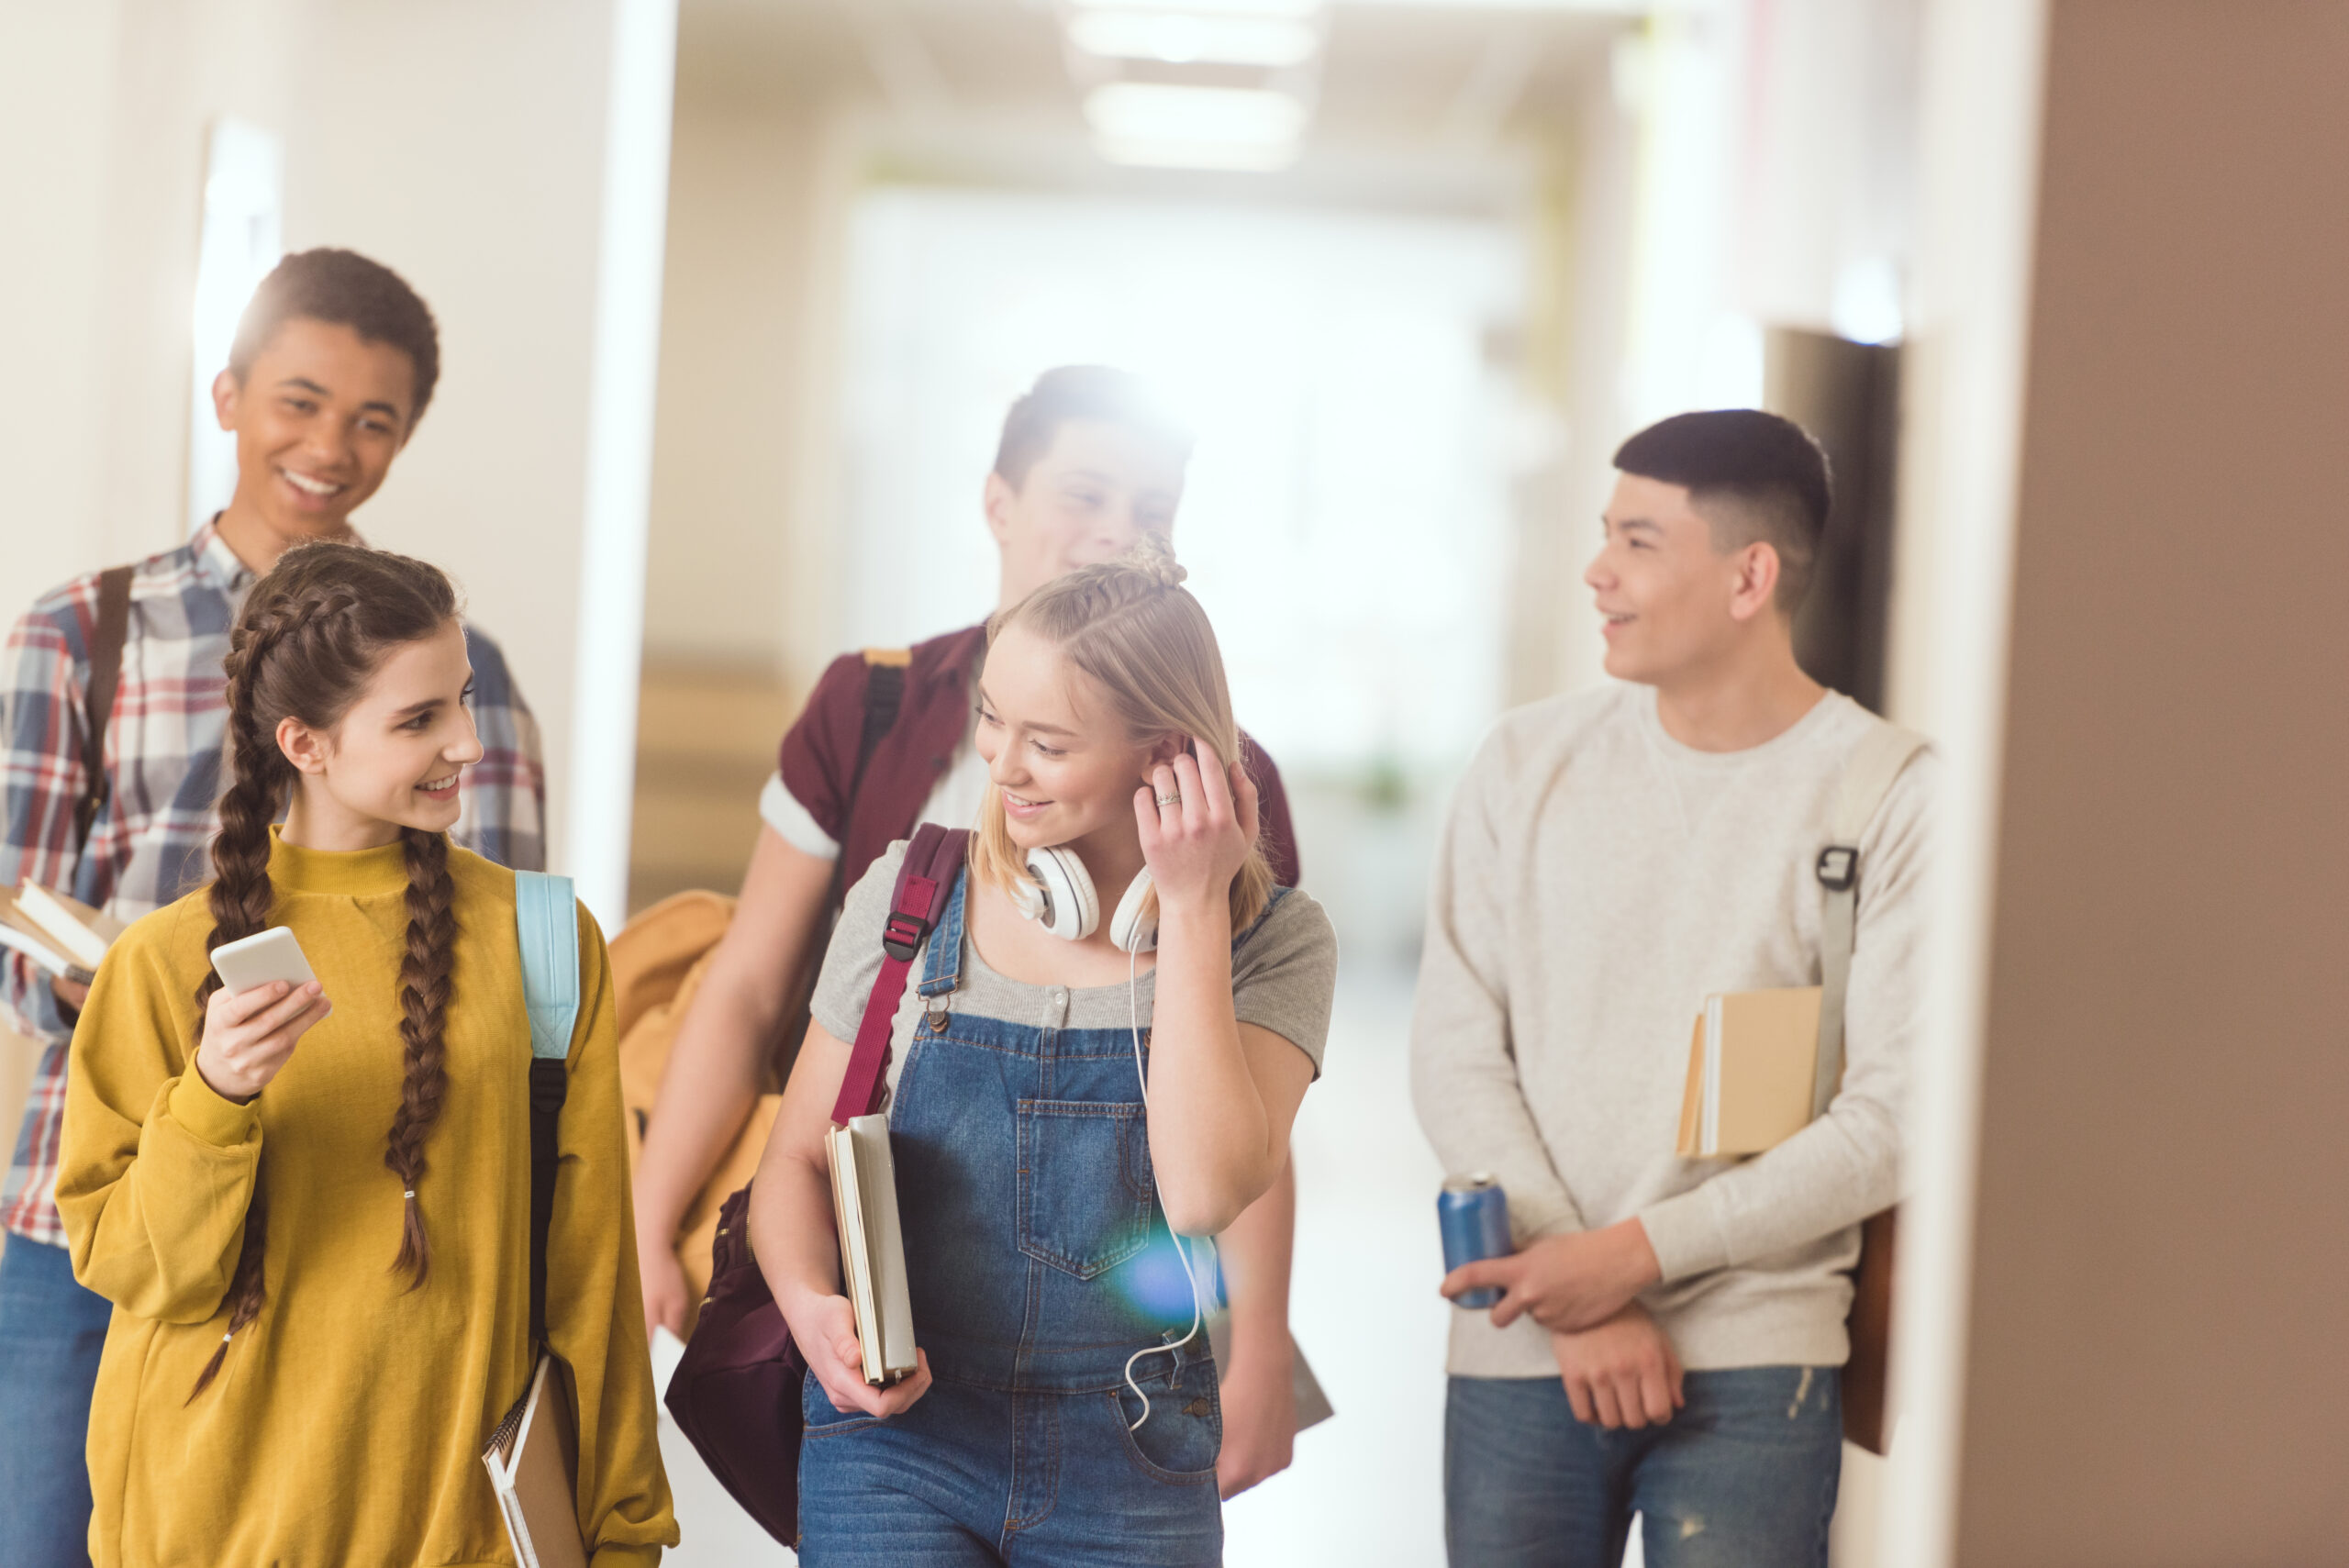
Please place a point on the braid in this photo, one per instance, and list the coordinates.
(241, 897)
(425, 986)
(309, 638)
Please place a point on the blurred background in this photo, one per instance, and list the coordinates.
(733, 296)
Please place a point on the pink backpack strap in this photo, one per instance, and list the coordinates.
(924, 880)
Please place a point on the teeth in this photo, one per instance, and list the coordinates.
(439, 784)
(307, 486)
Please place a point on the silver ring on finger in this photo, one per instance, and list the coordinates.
(1170, 800)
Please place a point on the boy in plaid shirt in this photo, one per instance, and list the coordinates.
(333, 365)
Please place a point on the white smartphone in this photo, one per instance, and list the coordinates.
(272, 954)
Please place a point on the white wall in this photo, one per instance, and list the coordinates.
(104, 105)
(469, 156)
(742, 458)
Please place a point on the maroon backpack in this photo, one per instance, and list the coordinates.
(736, 1391)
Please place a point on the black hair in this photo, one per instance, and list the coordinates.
(1080, 392)
(344, 289)
(1754, 475)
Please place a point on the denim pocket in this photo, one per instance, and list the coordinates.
(822, 1419)
(1182, 1437)
(1084, 1184)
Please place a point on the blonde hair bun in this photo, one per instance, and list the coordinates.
(1154, 558)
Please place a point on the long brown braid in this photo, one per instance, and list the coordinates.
(309, 638)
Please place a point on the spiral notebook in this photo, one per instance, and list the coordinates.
(532, 1457)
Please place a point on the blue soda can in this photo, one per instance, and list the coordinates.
(1472, 1213)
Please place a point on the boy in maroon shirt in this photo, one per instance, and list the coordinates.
(1083, 469)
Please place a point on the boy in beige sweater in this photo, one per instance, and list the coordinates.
(1671, 1331)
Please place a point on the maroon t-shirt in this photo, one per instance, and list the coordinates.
(819, 760)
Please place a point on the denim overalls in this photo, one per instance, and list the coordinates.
(1038, 1263)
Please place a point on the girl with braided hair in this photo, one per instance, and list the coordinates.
(310, 1205)
(1069, 1096)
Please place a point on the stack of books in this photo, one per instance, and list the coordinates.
(61, 935)
(1752, 1069)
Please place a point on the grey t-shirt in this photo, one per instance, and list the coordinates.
(1282, 977)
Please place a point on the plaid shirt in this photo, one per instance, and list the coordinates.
(150, 843)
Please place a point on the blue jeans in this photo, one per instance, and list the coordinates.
(976, 1477)
(50, 1333)
(1743, 1476)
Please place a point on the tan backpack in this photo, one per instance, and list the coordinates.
(658, 961)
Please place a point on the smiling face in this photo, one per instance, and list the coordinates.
(393, 757)
(1090, 498)
(1056, 755)
(1675, 603)
(318, 415)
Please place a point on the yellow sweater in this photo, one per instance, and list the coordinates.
(346, 1427)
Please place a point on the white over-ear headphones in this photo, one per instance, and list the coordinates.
(1060, 898)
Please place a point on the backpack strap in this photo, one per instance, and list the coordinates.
(107, 639)
(884, 696)
(546, 921)
(1882, 753)
(932, 861)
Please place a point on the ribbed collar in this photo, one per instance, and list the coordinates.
(357, 873)
(1794, 737)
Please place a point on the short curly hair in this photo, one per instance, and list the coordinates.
(346, 289)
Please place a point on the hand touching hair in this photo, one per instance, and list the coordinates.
(1131, 625)
(310, 637)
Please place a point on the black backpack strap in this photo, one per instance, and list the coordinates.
(546, 918)
(107, 638)
(549, 1084)
(884, 696)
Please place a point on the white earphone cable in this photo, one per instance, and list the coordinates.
(1133, 1003)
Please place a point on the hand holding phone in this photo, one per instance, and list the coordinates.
(268, 1000)
(257, 959)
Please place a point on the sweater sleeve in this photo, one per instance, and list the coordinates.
(157, 1170)
(1845, 1165)
(596, 1320)
(1464, 1061)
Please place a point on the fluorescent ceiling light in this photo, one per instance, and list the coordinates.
(1227, 116)
(1239, 156)
(1291, 10)
(1185, 37)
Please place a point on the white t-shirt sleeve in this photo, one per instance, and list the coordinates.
(780, 810)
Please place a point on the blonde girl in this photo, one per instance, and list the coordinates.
(1065, 1409)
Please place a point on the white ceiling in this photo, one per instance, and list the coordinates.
(1399, 78)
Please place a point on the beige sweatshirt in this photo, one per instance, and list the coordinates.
(1597, 879)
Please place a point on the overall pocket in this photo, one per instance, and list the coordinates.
(1084, 1184)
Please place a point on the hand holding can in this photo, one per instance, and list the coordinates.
(1472, 1213)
